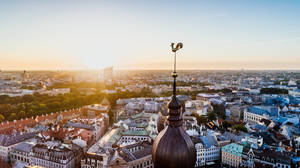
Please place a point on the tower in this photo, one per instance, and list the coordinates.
(173, 148)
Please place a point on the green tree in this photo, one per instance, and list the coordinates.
(22, 114)
(28, 98)
(226, 124)
(273, 91)
(12, 117)
(30, 113)
(6, 109)
(240, 127)
(200, 119)
(2, 118)
(211, 116)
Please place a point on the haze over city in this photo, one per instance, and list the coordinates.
(149, 84)
(72, 35)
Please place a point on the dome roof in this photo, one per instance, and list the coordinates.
(173, 148)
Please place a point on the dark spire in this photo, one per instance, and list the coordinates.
(175, 105)
(173, 147)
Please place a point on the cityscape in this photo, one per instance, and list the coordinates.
(110, 119)
(134, 84)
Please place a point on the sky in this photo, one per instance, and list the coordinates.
(136, 34)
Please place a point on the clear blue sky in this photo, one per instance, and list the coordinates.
(217, 34)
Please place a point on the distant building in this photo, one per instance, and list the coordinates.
(108, 73)
(255, 114)
(16, 125)
(295, 93)
(200, 107)
(236, 113)
(97, 126)
(206, 97)
(56, 91)
(95, 109)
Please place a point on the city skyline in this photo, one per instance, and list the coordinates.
(64, 35)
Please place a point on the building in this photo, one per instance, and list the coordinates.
(53, 155)
(7, 142)
(255, 114)
(236, 113)
(206, 97)
(16, 125)
(95, 109)
(295, 93)
(56, 91)
(257, 157)
(97, 126)
(257, 141)
(21, 152)
(132, 136)
(200, 107)
(108, 74)
(232, 154)
(58, 116)
(139, 127)
(136, 155)
(208, 150)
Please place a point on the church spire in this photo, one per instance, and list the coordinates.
(173, 148)
(174, 105)
(174, 75)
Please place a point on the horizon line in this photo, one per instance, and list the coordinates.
(144, 69)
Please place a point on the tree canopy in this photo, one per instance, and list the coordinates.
(273, 91)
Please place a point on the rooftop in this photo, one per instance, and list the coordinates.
(234, 149)
(8, 140)
(23, 147)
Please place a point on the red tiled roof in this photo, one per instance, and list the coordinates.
(19, 125)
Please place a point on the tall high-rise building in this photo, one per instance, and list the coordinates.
(108, 73)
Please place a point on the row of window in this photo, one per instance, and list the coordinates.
(19, 158)
(148, 164)
(40, 162)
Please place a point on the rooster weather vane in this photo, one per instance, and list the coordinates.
(175, 49)
(174, 74)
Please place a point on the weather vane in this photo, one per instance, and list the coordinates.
(175, 49)
(174, 74)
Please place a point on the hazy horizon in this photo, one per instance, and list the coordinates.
(217, 35)
(179, 70)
